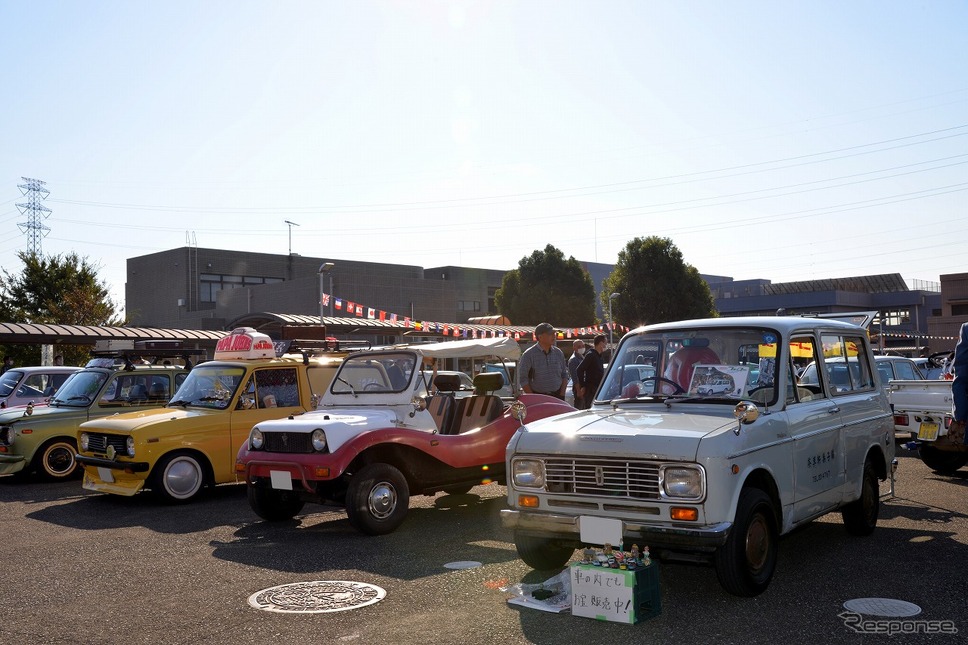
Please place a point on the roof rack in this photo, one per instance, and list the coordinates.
(125, 356)
(314, 347)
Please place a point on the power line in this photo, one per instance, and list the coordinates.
(493, 200)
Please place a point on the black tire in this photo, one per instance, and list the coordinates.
(458, 490)
(943, 462)
(745, 564)
(377, 499)
(57, 459)
(860, 516)
(177, 478)
(542, 554)
(274, 505)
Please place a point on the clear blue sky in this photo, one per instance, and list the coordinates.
(779, 140)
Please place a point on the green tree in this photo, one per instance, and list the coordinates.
(56, 289)
(655, 285)
(547, 288)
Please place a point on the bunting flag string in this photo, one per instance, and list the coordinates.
(908, 334)
(458, 331)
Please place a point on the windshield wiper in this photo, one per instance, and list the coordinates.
(705, 399)
(182, 402)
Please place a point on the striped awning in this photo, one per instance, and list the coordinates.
(44, 334)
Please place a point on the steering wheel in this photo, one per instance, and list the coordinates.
(370, 387)
(758, 388)
(662, 379)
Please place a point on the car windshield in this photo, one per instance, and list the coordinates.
(80, 390)
(374, 372)
(8, 382)
(209, 386)
(693, 364)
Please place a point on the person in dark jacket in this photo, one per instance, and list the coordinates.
(577, 355)
(591, 371)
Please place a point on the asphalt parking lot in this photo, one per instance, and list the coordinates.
(91, 568)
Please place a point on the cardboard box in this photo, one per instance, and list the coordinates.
(615, 595)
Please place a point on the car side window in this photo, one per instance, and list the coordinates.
(885, 371)
(846, 364)
(34, 385)
(804, 358)
(276, 387)
(906, 371)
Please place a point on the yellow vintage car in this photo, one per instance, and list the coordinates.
(191, 443)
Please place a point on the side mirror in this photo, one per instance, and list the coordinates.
(519, 411)
(745, 413)
(419, 403)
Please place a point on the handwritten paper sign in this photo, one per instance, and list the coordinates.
(602, 593)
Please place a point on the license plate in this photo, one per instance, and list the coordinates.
(928, 431)
(106, 475)
(280, 479)
(600, 530)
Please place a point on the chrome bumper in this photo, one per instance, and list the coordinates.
(565, 527)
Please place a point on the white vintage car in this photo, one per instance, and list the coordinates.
(680, 464)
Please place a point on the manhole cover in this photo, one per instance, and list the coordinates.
(463, 564)
(882, 607)
(316, 597)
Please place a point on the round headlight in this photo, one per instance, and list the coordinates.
(129, 444)
(319, 440)
(256, 439)
(85, 440)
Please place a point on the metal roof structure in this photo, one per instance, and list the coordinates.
(44, 334)
(266, 322)
(885, 283)
(272, 323)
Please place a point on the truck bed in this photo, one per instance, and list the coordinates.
(920, 397)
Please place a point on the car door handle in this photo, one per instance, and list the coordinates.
(833, 410)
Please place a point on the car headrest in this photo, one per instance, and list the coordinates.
(488, 382)
(447, 382)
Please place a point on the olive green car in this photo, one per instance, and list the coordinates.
(44, 438)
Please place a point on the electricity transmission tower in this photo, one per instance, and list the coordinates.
(34, 227)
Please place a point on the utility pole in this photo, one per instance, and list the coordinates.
(291, 224)
(34, 227)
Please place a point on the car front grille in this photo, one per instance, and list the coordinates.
(604, 477)
(288, 442)
(98, 443)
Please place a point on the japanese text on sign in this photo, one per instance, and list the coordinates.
(601, 592)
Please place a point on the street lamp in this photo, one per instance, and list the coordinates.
(610, 322)
(324, 269)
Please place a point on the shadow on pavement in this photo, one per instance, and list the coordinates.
(221, 506)
(450, 530)
(815, 563)
(32, 490)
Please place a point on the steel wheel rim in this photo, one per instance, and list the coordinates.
(183, 478)
(382, 500)
(757, 543)
(56, 457)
